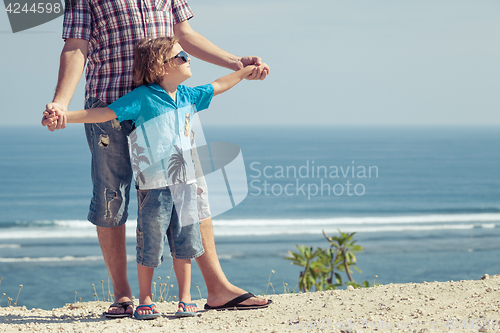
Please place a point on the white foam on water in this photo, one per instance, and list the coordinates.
(436, 218)
(58, 259)
(84, 229)
(10, 246)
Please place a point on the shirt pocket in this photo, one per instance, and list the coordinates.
(116, 24)
(162, 5)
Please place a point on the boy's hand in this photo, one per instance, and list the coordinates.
(258, 72)
(261, 71)
(54, 117)
(49, 119)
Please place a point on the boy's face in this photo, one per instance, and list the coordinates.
(178, 68)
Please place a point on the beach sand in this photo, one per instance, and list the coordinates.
(412, 307)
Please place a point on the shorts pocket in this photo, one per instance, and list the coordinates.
(142, 197)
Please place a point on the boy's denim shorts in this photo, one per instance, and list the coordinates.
(112, 173)
(168, 213)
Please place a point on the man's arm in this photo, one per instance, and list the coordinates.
(72, 63)
(201, 48)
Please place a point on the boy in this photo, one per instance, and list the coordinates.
(162, 109)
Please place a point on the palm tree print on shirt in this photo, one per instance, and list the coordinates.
(177, 167)
(137, 157)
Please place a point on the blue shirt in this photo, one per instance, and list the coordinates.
(160, 145)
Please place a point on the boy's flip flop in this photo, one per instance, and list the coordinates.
(182, 310)
(235, 304)
(151, 315)
(123, 305)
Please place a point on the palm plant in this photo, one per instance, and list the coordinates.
(344, 249)
(322, 266)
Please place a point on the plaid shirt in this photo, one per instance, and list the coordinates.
(112, 29)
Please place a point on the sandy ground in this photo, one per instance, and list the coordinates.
(471, 306)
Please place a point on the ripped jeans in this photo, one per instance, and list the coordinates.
(111, 170)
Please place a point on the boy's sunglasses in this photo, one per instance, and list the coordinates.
(183, 55)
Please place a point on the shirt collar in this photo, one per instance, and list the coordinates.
(157, 87)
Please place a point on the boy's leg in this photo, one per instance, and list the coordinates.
(111, 177)
(185, 241)
(154, 213)
(182, 268)
(145, 276)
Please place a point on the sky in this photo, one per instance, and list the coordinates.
(333, 62)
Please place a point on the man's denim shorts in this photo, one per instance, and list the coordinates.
(168, 213)
(112, 173)
(111, 170)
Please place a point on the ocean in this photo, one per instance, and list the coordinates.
(424, 203)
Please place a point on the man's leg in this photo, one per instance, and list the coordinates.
(220, 290)
(113, 246)
(111, 176)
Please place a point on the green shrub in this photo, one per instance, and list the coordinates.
(322, 267)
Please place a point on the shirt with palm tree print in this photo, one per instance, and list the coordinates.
(160, 145)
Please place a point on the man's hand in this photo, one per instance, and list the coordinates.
(260, 71)
(54, 117)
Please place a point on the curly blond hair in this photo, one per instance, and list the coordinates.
(150, 59)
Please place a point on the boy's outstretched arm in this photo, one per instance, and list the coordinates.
(227, 82)
(95, 115)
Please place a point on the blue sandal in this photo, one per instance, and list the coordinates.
(182, 311)
(151, 315)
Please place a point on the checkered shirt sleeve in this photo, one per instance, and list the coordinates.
(77, 21)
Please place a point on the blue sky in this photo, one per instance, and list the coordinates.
(335, 62)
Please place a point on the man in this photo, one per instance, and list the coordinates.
(104, 33)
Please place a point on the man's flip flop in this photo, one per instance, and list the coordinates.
(123, 305)
(183, 313)
(146, 316)
(235, 304)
